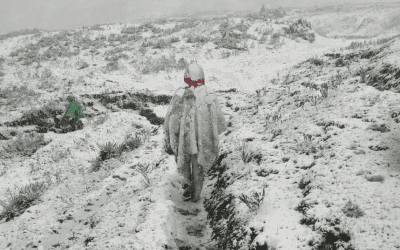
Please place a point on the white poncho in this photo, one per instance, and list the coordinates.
(194, 129)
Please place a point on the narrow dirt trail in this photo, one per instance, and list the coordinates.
(193, 232)
(193, 229)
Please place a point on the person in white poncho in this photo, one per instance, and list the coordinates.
(192, 126)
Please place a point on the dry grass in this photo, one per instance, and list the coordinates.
(25, 144)
(21, 199)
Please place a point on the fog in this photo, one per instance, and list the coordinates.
(71, 14)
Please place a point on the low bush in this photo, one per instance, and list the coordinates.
(352, 210)
(275, 38)
(110, 150)
(17, 96)
(230, 43)
(268, 14)
(112, 66)
(301, 28)
(253, 202)
(20, 200)
(25, 144)
(316, 61)
(197, 39)
(154, 65)
(19, 33)
(151, 116)
(363, 74)
(248, 154)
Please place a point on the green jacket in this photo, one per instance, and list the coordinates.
(74, 109)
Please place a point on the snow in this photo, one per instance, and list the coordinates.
(114, 208)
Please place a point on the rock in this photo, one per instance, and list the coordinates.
(359, 152)
(363, 172)
(378, 147)
(375, 178)
(381, 128)
(352, 146)
(247, 135)
(305, 162)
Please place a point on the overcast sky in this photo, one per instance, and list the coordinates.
(71, 14)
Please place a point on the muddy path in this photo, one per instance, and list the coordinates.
(193, 230)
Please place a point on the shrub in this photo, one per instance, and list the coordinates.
(363, 74)
(131, 143)
(305, 147)
(230, 43)
(144, 171)
(340, 62)
(268, 14)
(95, 27)
(253, 202)
(152, 65)
(316, 61)
(96, 164)
(272, 118)
(19, 33)
(266, 172)
(151, 116)
(17, 202)
(324, 90)
(275, 38)
(25, 144)
(142, 50)
(102, 119)
(229, 229)
(37, 116)
(174, 39)
(302, 29)
(381, 128)
(18, 95)
(182, 64)
(233, 36)
(352, 210)
(112, 66)
(185, 24)
(197, 39)
(47, 79)
(225, 54)
(130, 30)
(161, 44)
(110, 150)
(247, 154)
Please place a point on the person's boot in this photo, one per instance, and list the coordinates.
(187, 192)
(198, 179)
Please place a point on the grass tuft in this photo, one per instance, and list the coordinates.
(20, 200)
(253, 202)
(25, 145)
(247, 154)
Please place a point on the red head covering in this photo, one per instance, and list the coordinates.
(194, 75)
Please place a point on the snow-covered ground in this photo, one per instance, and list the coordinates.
(307, 182)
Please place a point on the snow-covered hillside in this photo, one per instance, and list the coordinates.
(310, 159)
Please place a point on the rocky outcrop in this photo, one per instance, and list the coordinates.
(302, 29)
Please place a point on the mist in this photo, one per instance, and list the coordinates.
(72, 14)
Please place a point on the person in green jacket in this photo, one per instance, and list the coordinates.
(73, 113)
